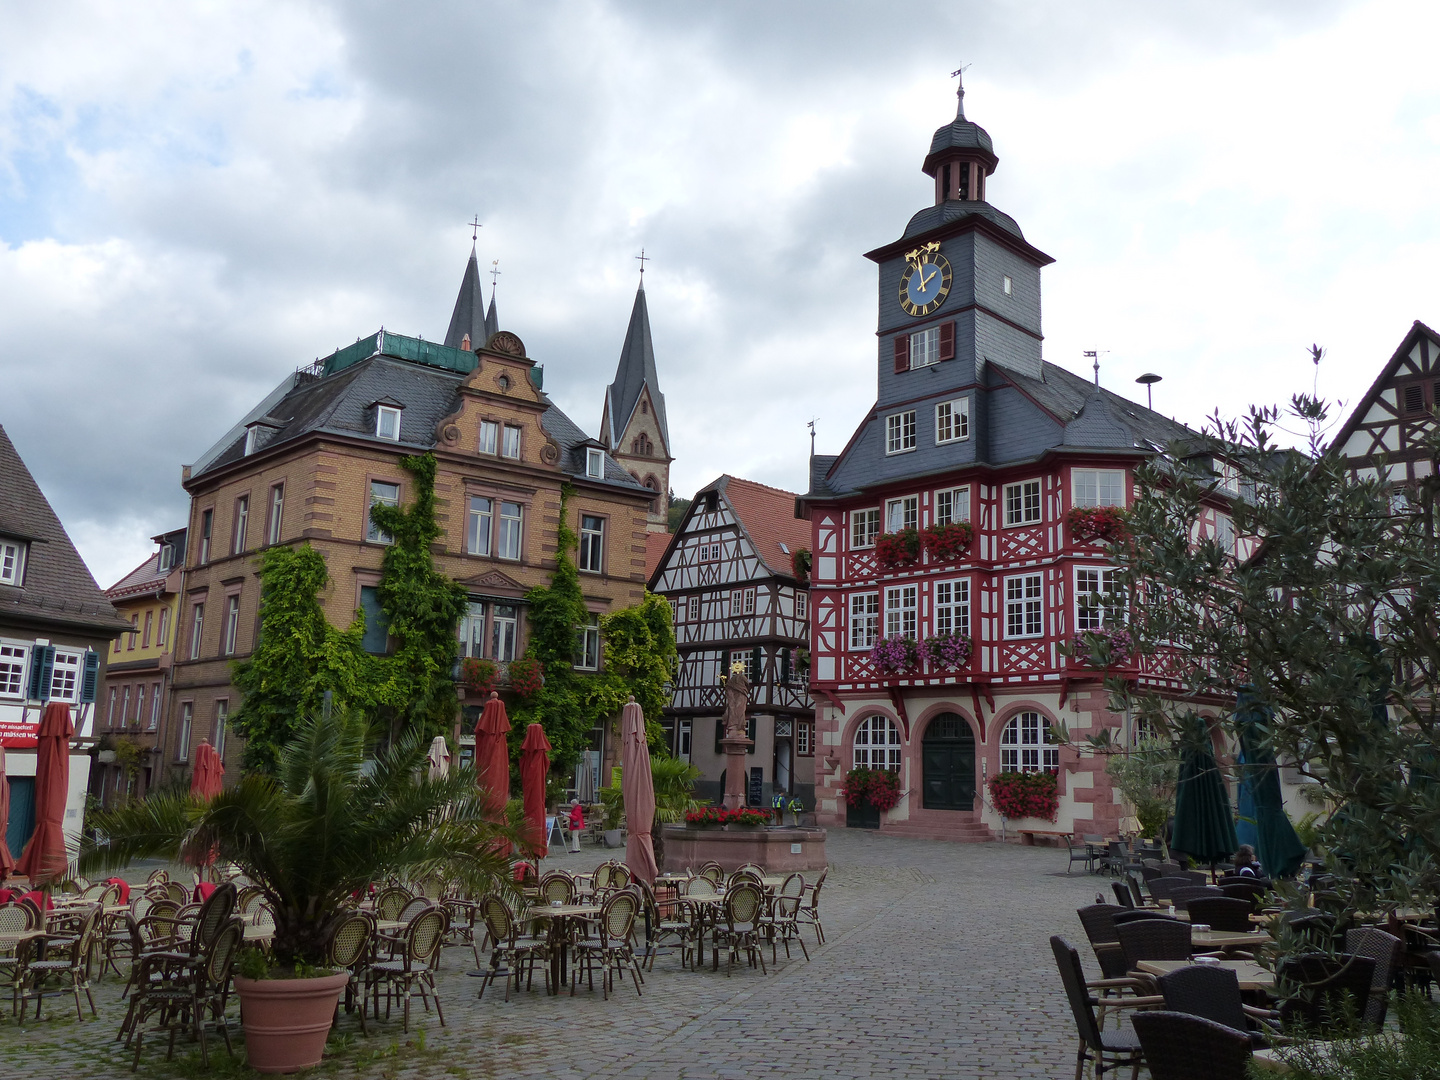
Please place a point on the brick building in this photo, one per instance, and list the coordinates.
(308, 461)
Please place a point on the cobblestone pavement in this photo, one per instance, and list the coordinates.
(937, 965)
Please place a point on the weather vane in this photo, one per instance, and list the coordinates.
(494, 272)
(811, 426)
(643, 259)
(959, 73)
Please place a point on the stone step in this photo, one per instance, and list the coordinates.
(959, 831)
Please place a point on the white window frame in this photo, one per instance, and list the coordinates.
(804, 738)
(489, 437)
(373, 533)
(876, 744)
(510, 442)
(692, 605)
(1021, 505)
(505, 633)
(902, 513)
(864, 527)
(139, 703)
(222, 715)
(1025, 744)
(162, 628)
(471, 632)
(479, 525)
(242, 525)
(946, 500)
(902, 610)
(155, 696)
(197, 629)
(12, 562)
(590, 550)
(587, 644)
(68, 673)
(802, 604)
(864, 611)
(384, 413)
(1225, 533)
(125, 705)
(900, 432)
(187, 726)
(748, 602)
(684, 739)
(277, 513)
(109, 711)
(952, 606)
(512, 532)
(1025, 606)
(925, 347)
(232, 625)
(1097, 487)
(952, 421)
(595, 463)
(14, 667)
(1089, 614)
(1007, 284)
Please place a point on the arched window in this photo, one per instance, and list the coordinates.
(1026, 746)
(877, 744)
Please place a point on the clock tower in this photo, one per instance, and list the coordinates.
(961, 287)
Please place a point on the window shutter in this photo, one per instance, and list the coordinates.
(42, 670)
(902, 353)
(784, 665)
(757, 671)
(947, 341)
(91, 677)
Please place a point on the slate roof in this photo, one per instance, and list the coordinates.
(58, 588)
(145, 578)
(340, 404)
(468, 317)
(954, 210)
(635, 370)
(1099, 419)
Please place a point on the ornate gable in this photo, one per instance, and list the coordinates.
(500, 393)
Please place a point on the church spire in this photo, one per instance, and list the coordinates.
(492, 322)
(467, 322)
(635, 378)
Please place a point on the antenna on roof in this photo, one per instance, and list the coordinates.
(811, 426)
(1149, 380)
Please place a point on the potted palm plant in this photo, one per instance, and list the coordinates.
(320, 830)
(613, 801)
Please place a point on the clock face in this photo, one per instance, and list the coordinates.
(925, 283)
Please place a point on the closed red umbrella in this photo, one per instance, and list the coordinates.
(492, 755)
(7, 861)
(43, 859)
(637, 787)
(534, 768)
(208, 777)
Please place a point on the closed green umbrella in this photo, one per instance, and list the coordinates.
(1204, 827)
(1281, 851)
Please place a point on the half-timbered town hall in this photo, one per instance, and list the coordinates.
(730, 575)
(940, 530)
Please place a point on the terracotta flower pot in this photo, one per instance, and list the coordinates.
(286, 1020)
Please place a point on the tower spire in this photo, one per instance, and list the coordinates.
(959, 73)
(467, 321)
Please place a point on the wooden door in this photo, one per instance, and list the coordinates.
(948, 764)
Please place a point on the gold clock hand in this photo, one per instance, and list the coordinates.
(925, 278)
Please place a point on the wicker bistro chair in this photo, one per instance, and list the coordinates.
(1181, 897)
(389, 902)
(782, 925)
(461, 917)
(1179, 1046)
(1122, 894)
(660, 928)
(741, 928)
(600, 882)
(1384, 949)
(181, 999)
(15, 919)
(1214, 993)
(511, 945)
(413, 969)
(1099, 923)
(73, 967)
(743, 875)
(349, 950)
(712, 870)
(1324, 991)
(557, 885)
(610, 949)
(1228, 913)
(809, 913)
(1163, 888)
(1153, 939)
(1095, 1042)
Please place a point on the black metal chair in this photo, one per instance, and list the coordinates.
(1228, 913)
(1081, 852)
(1384, 949)
(1096, 1043)
(1214, 993)
(1323, 991)
(1179, 1046)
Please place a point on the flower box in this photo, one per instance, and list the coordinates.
(1026, 795)
(895, 654)
(947, 543)
(1107, 523)
(947, 652)
(898, 549)
(879, 788)
(1116, 645)
(800, 564)
(527, 677)
(479, 675)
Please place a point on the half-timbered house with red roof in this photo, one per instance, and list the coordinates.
(1388, 426)
(730, 575)
(946, 521)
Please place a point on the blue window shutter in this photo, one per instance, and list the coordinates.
(91, 678)
(42, 669)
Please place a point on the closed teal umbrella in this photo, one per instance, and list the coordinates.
(1204, 827)
(1281, 851)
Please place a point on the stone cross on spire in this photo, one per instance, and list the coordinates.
(643, 259)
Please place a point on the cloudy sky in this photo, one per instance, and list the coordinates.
(195, 199)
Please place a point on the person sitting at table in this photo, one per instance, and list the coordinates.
(1246, 865)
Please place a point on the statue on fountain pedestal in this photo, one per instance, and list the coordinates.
(734, 741)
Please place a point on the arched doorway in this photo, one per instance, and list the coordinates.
(948, 763)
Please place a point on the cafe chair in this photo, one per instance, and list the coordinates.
(1179, 1046)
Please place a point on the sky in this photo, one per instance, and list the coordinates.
(196, 199)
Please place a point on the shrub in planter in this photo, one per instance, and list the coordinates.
(478, 675)
(1026, 794)
(892, 655)
(898, 548)
(948, 651)
(527, 677)
(879, 788)
(946, 543)
(1108, 523)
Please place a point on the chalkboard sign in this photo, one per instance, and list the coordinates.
(757, 780)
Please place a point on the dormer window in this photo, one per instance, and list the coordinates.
(387, 423)
(12, 562)
(252, 439)
(595, 463)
